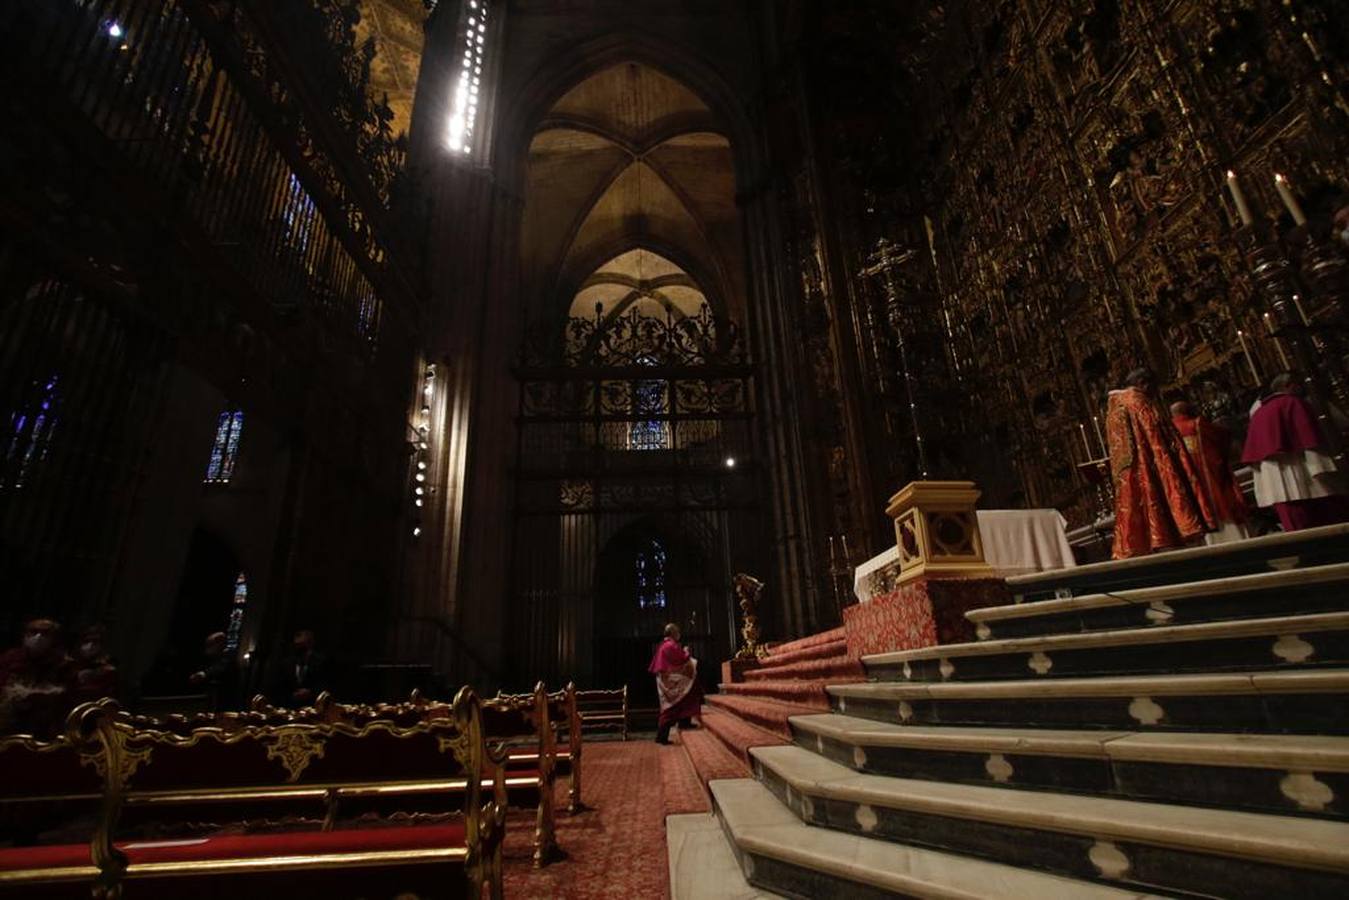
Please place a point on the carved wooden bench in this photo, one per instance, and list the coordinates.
(303, 769)
(511, 725)
(604, 710)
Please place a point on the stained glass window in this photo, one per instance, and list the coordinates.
(648, 401)
(367, 316)
(236, 622)
(225, 450)
(299, 214)
(470, 52)
(651, 575)
(31, 431)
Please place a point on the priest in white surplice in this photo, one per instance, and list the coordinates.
(1293, 469)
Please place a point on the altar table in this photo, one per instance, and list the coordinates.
(1016, 542)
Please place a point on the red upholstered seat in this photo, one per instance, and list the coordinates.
(246, 846)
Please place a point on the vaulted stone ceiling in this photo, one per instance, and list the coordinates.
(396, 26)
(631, 158)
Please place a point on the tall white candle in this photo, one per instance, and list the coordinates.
(1100, 439)
(1246, 351)
(1243, 208)
(1297, 301)
(1085, 446)
(1286, 194)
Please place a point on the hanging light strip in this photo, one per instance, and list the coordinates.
(421, 451)
(464, 100)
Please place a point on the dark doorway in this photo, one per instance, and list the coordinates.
(206, 601)
(646, 577)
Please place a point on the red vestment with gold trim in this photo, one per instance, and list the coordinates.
(1160, 501)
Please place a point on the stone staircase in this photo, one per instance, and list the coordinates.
(1170, 726)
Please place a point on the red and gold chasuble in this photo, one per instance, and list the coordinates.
(1160, 501)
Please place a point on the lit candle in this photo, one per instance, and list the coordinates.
(1269, 323)
(1297, 301)
(847, 555)
(1286, 194)
(832, 557)
(1243, 208)
(1085, 446)
(1096, 423)
(1241, 339)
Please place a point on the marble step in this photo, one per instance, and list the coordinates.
(768, 714)
(1306, 641)
(702, 864)
(1296, 591)
(1135, 845)
(776, 851)
(1297, 702)
(1281, 773)
(1312, 546)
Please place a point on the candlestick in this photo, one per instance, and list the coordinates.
(1100, 439)
(1297, 302)
(1286, 194)
(1243, 208)
(1241, 339)
(1085, 446)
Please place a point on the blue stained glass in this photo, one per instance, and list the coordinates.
(225, 449)
(648, 399)
(298, 214)
(236, 623)
(650, 571)
(31, 430)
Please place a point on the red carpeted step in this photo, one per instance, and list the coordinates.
(736, 734)
(810, 669)
(680, 789)
(769, 714)
(799, 691)
(711, 758)
(816, 651)
(810, 640)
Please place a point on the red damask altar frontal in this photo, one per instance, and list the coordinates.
(920, 613)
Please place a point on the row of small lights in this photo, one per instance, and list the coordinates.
(465, 111)
(423, 446)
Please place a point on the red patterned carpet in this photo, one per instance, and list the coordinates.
(616, 849)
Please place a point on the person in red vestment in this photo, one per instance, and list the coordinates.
(676, 674)
(1160, 501)
(1208, 445)
(1294, 472)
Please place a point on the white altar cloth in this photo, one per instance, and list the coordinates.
(1016, 542)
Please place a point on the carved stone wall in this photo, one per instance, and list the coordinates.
(1070, 160)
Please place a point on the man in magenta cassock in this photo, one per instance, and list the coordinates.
(676, 674)
(1293, 469)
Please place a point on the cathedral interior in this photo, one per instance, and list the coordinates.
(480, 339)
